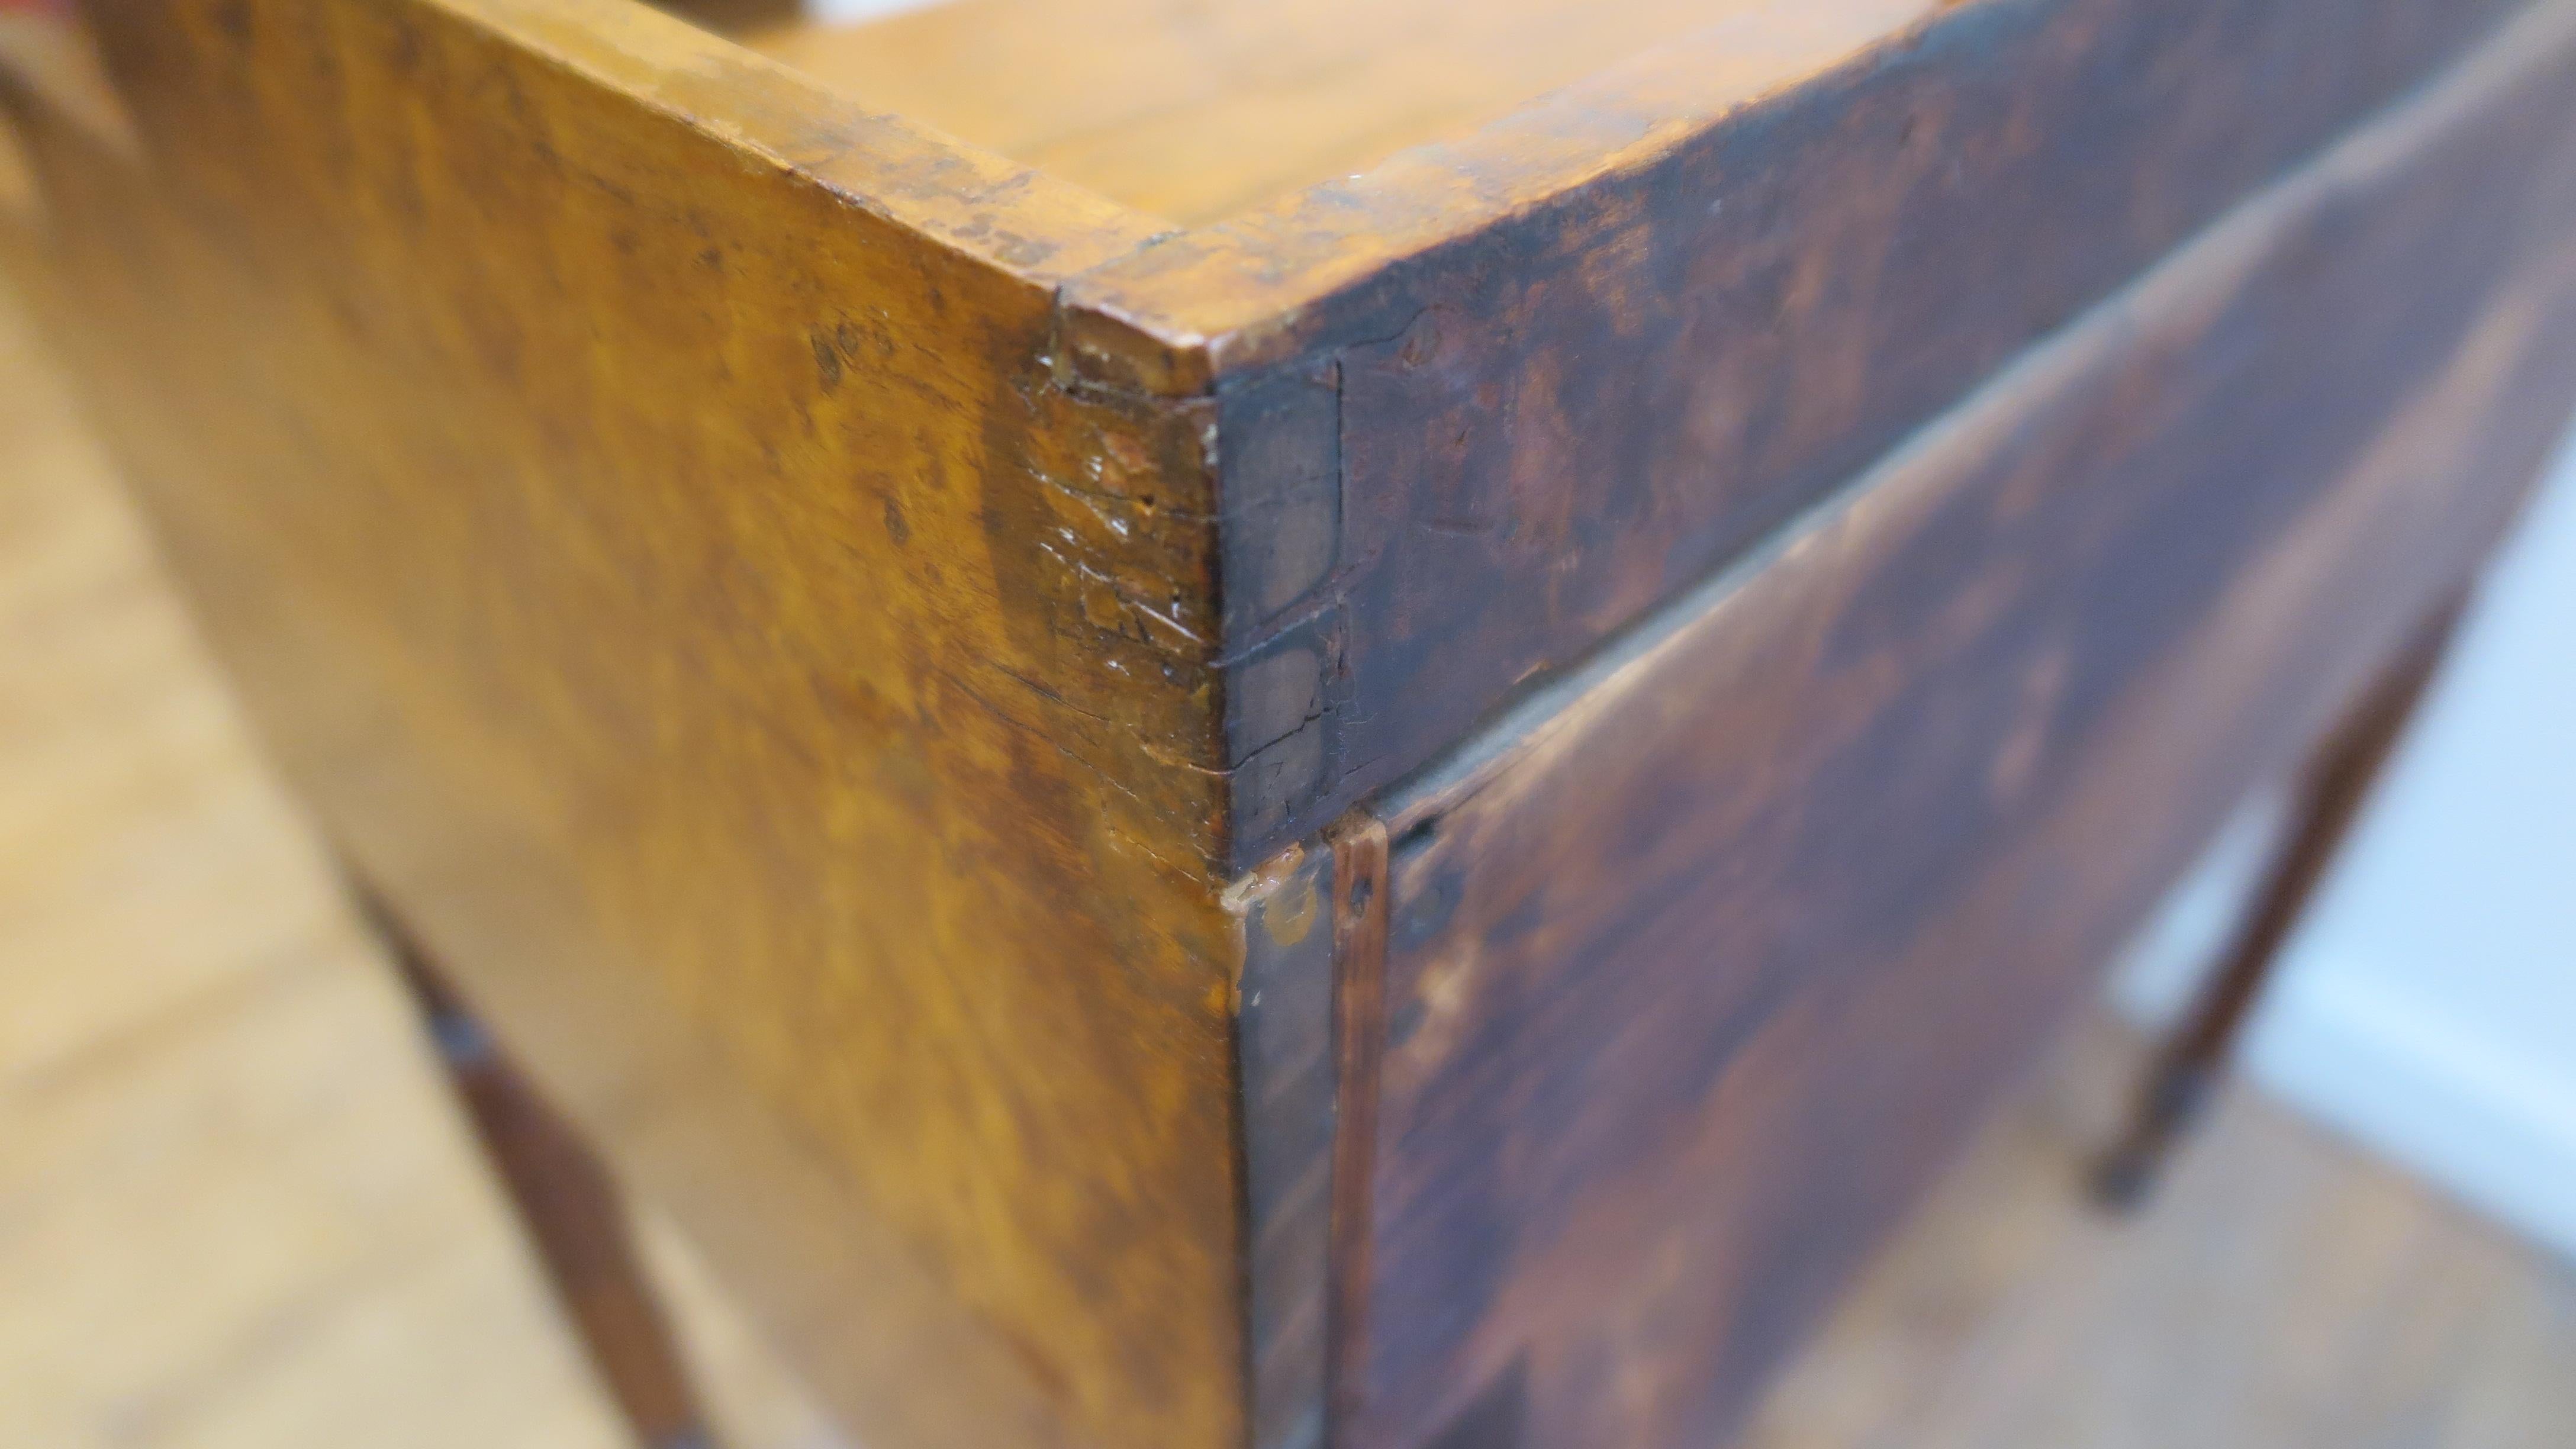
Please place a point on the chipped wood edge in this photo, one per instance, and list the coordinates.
(969, 200)
(2160, 300)
(1175, 316)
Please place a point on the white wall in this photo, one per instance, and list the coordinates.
(2427, 1007)
(853, 11)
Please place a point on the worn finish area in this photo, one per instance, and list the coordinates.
(1694, 977)
(1561, 403)
(847, 647)
(661, 554)
(1196, 110)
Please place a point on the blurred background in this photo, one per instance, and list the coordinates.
(238, 1209)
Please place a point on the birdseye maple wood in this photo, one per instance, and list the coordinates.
(644, 556)
(847, 646)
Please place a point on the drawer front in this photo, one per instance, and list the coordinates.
(1698, 968)
(1547, 427)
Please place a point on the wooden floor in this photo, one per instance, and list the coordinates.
(237, 1210)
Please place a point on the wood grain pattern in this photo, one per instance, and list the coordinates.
(1196, 109)
(804, 617)
(2018, 93)
(1589, 354)
(1695, 975)
(632, 490)
(176, 961)
(1359, 1006)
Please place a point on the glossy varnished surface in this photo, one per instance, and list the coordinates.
(1695, 974)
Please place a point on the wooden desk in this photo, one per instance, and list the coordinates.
(1394, 749)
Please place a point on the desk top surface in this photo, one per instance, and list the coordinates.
(1192, 110)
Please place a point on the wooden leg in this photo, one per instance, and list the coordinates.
(571, 1212)
(2337, 780)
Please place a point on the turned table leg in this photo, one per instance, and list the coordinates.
(2337, 779)
(570, 1209)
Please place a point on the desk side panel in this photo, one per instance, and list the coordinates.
(676, 581)
(1697, 972)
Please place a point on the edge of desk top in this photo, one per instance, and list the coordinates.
(1176, 315)
(1171, 312)
(1021, 220)
(1797, 235)
(1629, 387)
(1166, 311)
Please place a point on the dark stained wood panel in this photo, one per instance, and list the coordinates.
(1589, 354)
(1700, 967)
